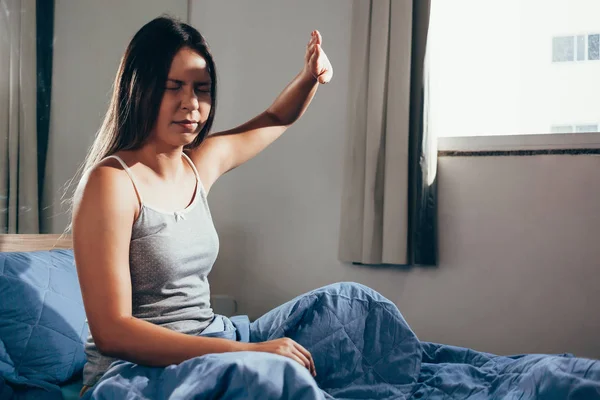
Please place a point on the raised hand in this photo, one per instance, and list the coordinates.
(316, 62)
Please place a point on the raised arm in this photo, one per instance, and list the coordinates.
(224, 151)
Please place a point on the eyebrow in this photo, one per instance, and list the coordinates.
(200, 83)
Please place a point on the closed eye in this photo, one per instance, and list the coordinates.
(198, 88)
(173, 88)
(203, 89)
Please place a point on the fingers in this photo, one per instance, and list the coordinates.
(316, 59)
(318, 37)
(312, 40)
(305, 361)
(309, 53)
(308, 357)
(291, 349)
(296, 358)
(314, 54)
(315, 38)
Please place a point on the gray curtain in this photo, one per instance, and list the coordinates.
(389, 191)
(18, 119)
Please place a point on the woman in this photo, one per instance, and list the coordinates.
(143, 236)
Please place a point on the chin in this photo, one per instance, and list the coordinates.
(187, 138)
(184, 135)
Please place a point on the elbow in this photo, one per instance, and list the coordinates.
(107, 345)
(109, 340)
(277, 120)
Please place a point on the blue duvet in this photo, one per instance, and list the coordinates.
(363, 349)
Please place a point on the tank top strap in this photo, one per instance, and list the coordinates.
(128, 171)
(189, 160)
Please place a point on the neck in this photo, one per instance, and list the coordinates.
(164, 161)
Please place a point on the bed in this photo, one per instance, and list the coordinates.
(362, 346)
(43, 242)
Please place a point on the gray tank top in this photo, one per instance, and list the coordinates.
(170, 256)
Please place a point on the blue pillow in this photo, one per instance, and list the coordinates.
(43, 326)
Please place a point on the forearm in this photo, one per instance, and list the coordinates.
(294, 99)
(144, 343)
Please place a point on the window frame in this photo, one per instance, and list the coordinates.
(544, 141)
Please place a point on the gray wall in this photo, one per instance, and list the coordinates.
(90, 38)
(518, 256)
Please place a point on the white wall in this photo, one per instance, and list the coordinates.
(90, 38)
(518, 256)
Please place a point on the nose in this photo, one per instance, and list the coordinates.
(190, 99)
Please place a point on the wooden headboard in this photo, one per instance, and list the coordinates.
(34, 242)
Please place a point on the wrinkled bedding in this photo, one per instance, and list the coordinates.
(362, 348)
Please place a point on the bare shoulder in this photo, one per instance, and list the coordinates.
(107, 189)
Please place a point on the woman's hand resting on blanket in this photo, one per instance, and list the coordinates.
(288, 348)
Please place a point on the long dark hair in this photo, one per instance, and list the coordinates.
(139, 87)
(140, 84)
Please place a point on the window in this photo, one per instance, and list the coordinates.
(513, 67)
(594, 47)
(574, 128)
(563, 49)
(561, 129)
(573, 48)
(586, 128)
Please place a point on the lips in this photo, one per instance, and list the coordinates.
(187, 124)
